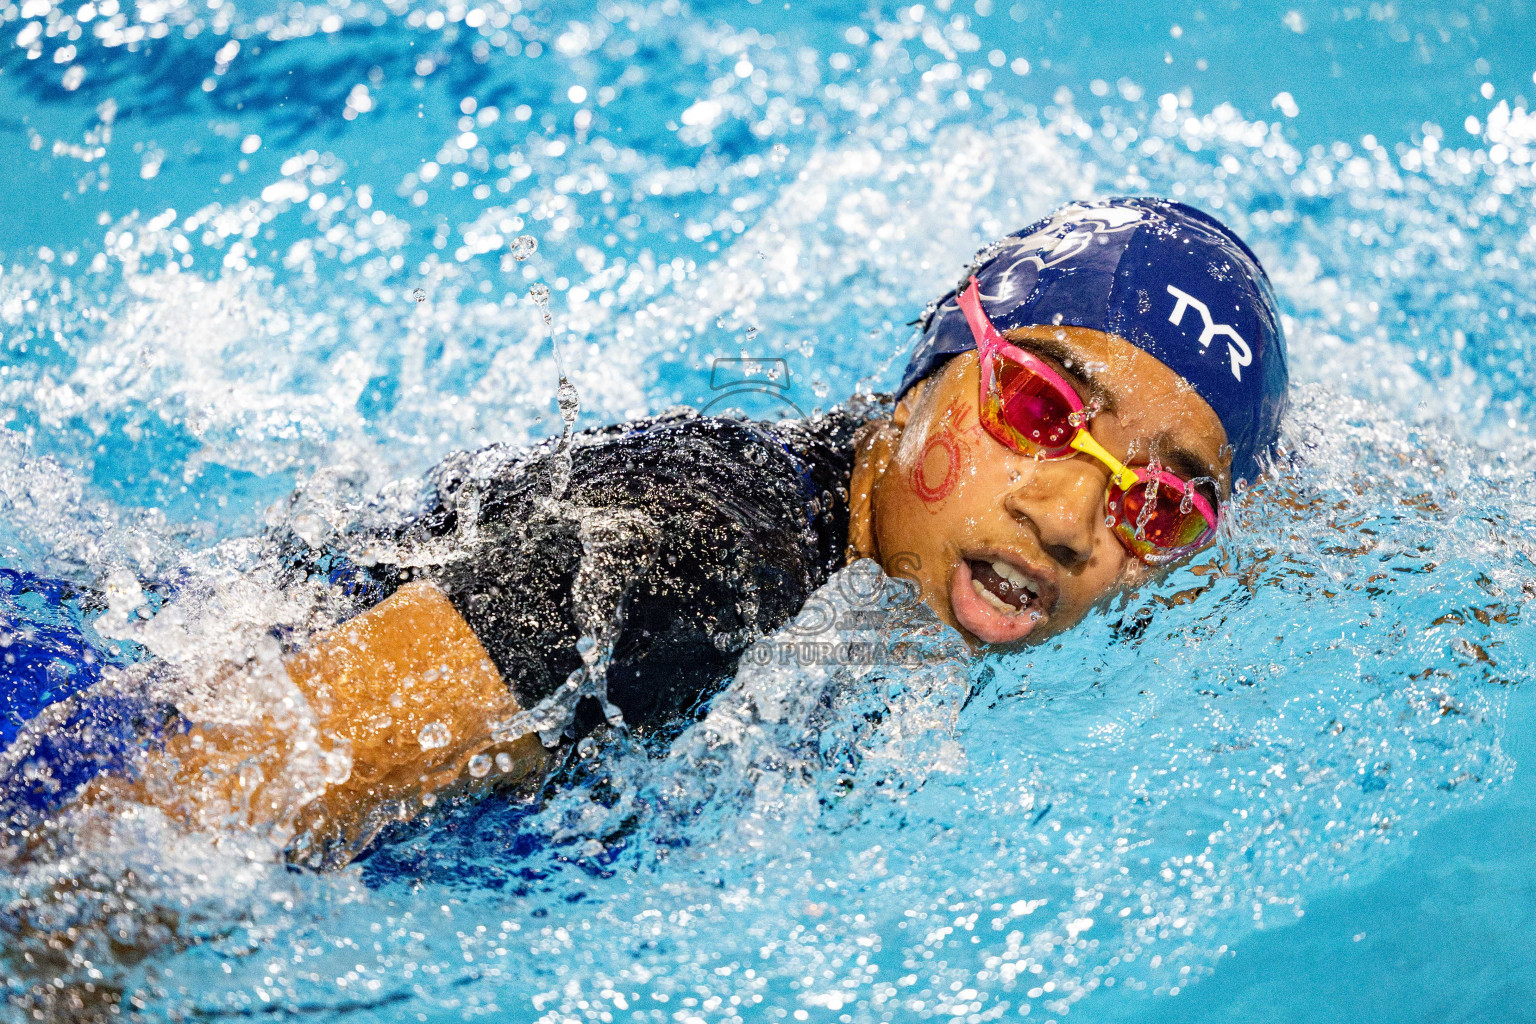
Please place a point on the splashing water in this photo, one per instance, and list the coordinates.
(208, 343)
(567, 398)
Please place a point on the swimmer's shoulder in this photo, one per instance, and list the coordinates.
(691, 455)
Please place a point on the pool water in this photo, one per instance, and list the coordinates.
(258, 265)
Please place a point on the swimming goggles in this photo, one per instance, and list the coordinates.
(1028, 407)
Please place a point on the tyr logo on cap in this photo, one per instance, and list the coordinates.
(1241, 354)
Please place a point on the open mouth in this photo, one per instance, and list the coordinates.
(997, 600)
(1002, 586)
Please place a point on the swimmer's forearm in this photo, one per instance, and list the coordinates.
(405, 690)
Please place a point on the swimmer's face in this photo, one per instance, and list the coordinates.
(951, 507)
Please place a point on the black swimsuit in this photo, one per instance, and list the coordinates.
(679, 540)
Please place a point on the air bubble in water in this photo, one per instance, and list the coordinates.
(433, 735)
(480, 766)
(503, 762)
(751, 333)
(419, 294)
(523, 246)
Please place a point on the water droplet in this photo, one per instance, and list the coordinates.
(480, 766)
(312, 529)
(419, 294)
(539, 293)
(1109, 521)
(503, 762)
(751, 333)
(337, 765)
(569, 400)
(433, 735)
(523, 246)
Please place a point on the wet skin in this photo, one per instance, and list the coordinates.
(937, 499)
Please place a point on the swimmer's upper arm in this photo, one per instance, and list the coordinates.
(410, 688)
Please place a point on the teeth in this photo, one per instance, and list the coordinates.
(1015, 577)
(992, 599)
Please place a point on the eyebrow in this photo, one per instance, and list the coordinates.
(1183, 462)
(1070, 364)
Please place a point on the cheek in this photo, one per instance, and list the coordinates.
(936, 471)
(939, 466)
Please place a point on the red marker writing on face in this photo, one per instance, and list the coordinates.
(937, 469)
(955, 419)
(936, 473)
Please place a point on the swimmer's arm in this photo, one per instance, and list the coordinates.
(405, 687)
(410, 688)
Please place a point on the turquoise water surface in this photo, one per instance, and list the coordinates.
(258, 265)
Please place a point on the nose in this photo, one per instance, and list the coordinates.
(1064, 501)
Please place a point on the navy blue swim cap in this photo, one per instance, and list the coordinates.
(1165, 277)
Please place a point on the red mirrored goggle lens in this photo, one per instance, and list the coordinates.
(1163, 522)
(1023, 409)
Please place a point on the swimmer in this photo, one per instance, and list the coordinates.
(1075, 419)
